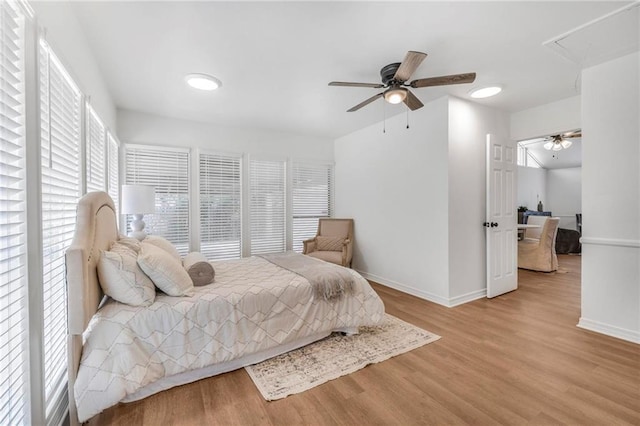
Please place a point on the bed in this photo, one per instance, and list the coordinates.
(254, 310)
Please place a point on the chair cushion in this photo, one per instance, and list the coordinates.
(328, 256)
(329, 243)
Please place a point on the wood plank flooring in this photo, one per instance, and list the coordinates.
(516, 359)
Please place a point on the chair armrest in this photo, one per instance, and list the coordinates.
(309, 246)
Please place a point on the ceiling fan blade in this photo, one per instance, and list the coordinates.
(347, 84)
(364, 103)
(411, 62)
(444, 80)
(412, 101)
(576, 134)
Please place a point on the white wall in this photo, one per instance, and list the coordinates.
(142, 128)
(395, 186)
(564, 195)
(611, 198)
(418, 199)
(532, 187)
(548, 119)
(66, 37)
(469, 124)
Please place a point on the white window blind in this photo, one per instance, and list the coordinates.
(113, 170)
(13, 279)
(311, 199)
(60, 115)
(167, 170)
(267, 206)
(220, 200)
(95, 152)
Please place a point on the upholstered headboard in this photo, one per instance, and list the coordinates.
(96, 228)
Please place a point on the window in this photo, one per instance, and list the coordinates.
(525, 158)
(113, 186)
(220, 200)
(13, 271)
(167, 170)
(95, 152)
(60, 124)
(311, 199)
(267, 206)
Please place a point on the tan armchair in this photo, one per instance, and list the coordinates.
(333, 243)
(539, 254)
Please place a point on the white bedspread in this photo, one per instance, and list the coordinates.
(252, 306)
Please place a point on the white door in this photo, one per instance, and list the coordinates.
(501, 218)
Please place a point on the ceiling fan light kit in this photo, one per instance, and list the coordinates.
(395, 95)
(559, 142)
(203, 81)
(395, 78)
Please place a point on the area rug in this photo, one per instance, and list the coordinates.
(335, 356)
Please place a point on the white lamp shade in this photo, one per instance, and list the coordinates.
(138, 199)
(565, 143)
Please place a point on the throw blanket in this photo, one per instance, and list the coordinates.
(328, 281)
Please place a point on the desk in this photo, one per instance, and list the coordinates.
(522, 227)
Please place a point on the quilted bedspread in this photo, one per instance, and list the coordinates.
(252, 306)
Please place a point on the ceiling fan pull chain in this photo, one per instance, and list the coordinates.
(384, 118)
(407, 116)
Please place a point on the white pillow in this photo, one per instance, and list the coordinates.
(165, 271)
(122, 279)
(164, 244)
(132, 243)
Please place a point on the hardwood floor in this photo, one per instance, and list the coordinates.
(516, 359)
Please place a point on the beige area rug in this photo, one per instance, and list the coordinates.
(335, 356)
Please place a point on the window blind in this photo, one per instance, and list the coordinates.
(113, 170)
(95, 152)
(267, 206)
(167, 170)
(220, 201)
(13, 279)
(311, 199)
(60, 124)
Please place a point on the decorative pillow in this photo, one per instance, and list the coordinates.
(164, 244)
(165, 271)
(122, 279)
(329, 243)
(198, 268)
(133, 243)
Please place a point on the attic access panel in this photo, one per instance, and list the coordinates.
(611, 36)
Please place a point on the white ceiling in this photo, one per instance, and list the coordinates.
(275, 59)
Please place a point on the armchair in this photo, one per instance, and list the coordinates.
(333, 242)
(539, 254)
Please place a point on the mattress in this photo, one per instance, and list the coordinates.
(253, 307)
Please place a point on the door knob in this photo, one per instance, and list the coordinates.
(494, 224)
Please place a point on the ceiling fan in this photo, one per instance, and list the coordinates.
(394, 80)
(558, 142)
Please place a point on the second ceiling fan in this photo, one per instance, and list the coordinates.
(395, 80)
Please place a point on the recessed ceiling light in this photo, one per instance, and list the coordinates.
(485, 92)
(203, 81)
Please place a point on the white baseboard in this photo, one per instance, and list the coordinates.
(448, 302)
(406, 289)
(464, 298)
(610, 330)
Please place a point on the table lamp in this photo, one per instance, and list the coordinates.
(138, 200)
